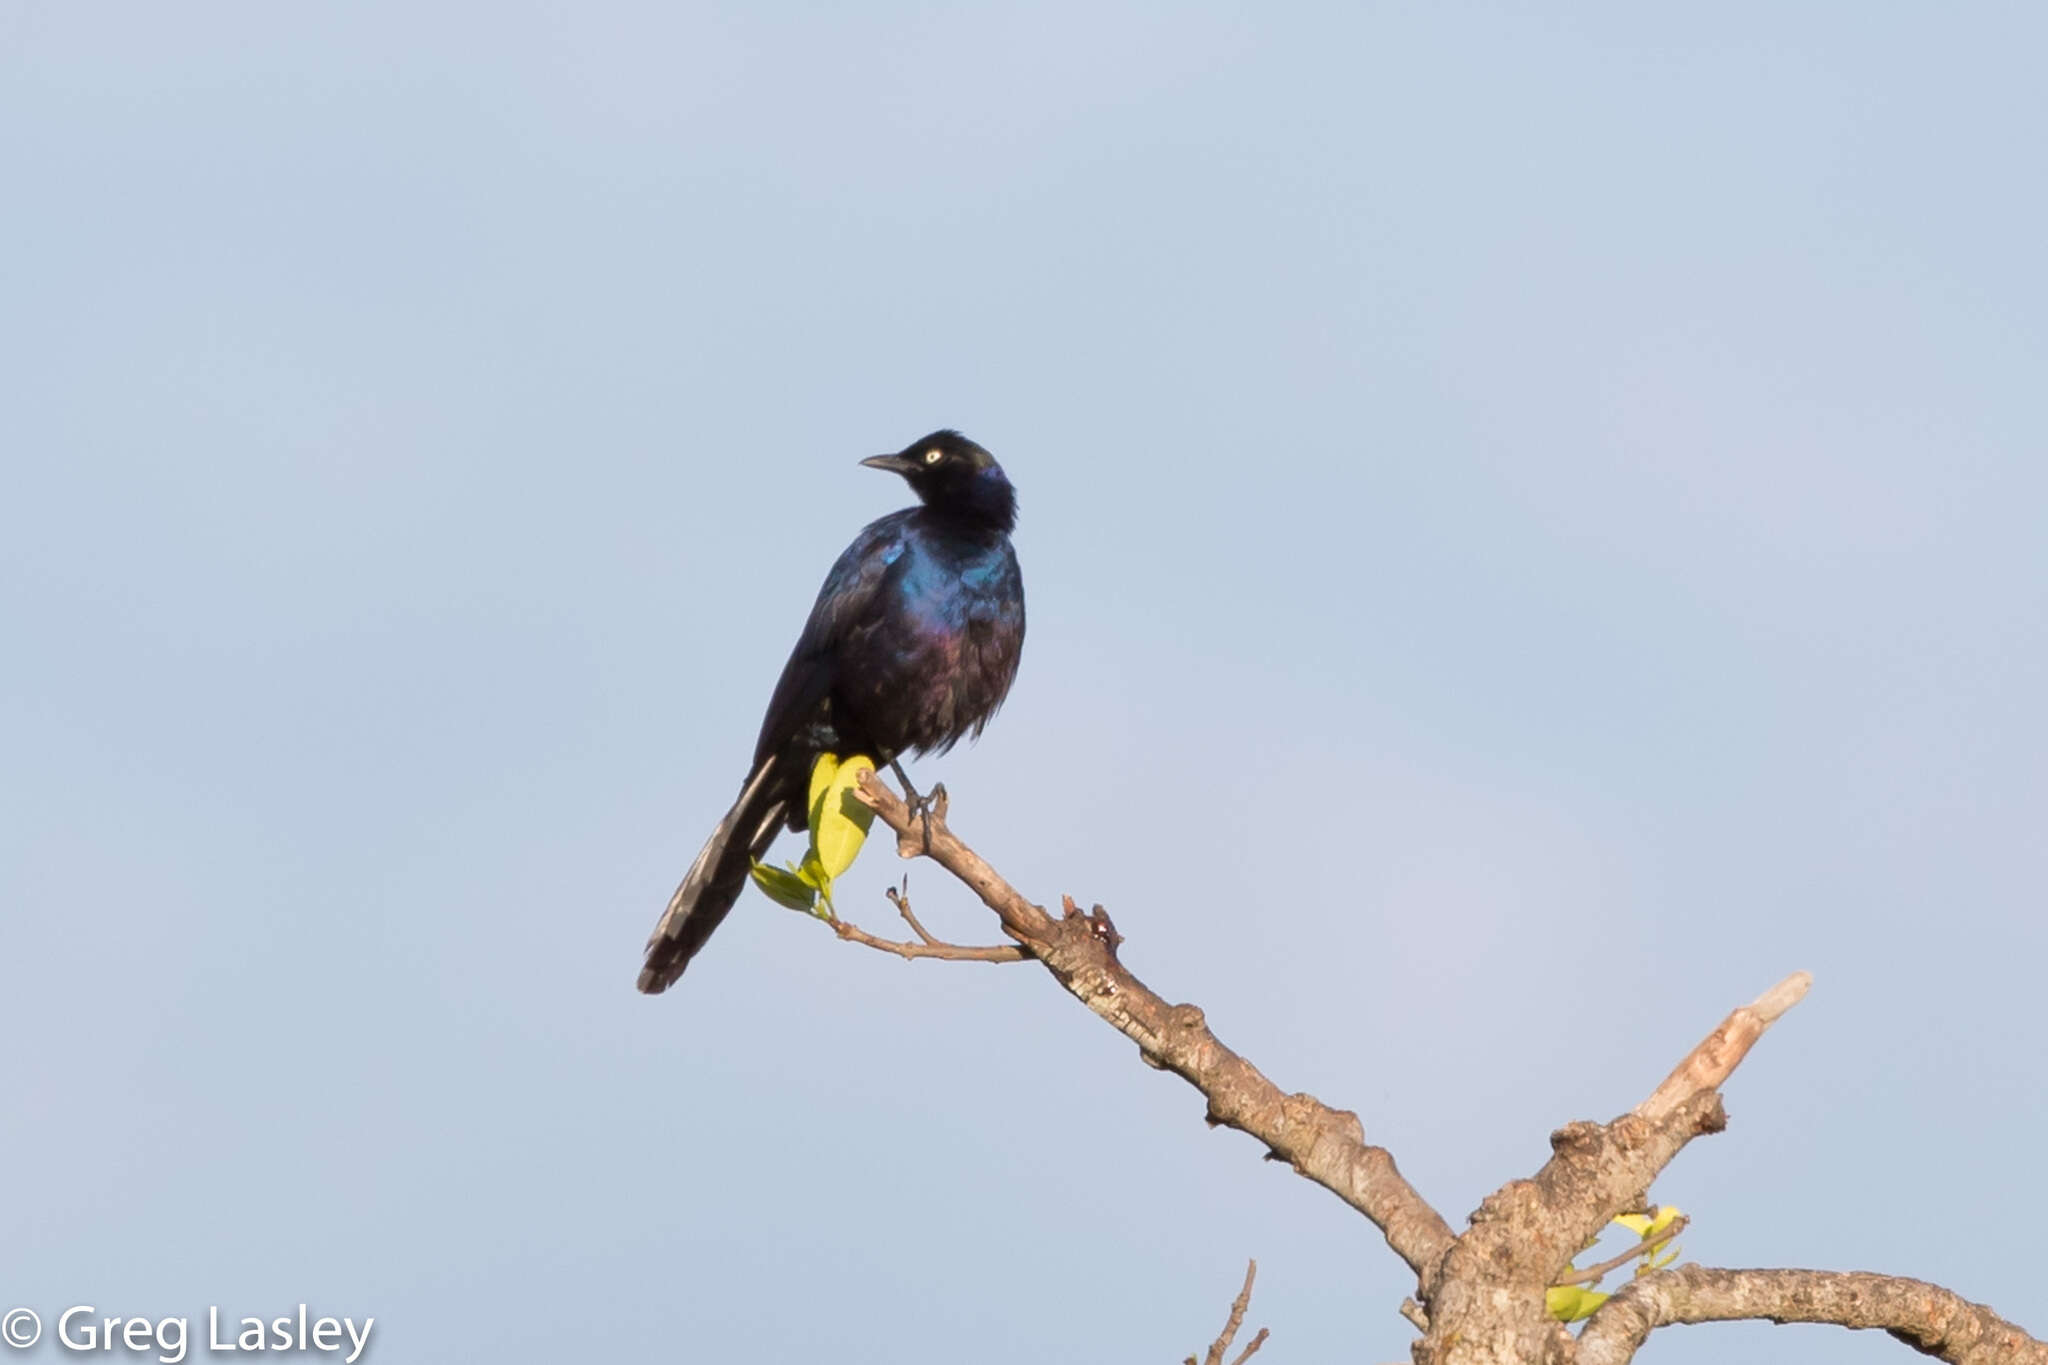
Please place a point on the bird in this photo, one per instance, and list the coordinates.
(911, 647)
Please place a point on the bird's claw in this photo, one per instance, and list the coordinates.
(925, 807)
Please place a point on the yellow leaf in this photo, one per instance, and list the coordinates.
(813, 874)
(822, 773)
(1649, 1225)
(839, 826)
(839, 821)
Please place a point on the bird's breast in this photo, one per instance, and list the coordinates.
(945, 651)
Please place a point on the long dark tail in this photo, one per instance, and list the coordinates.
(716, 879)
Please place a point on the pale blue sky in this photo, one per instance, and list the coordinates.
(1533, 526)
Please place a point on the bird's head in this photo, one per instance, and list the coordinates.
(951, 474)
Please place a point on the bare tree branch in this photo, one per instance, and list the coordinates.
(1481, 1293)
(1924, 1316)
(1326, 1145)
(1720, 1052)
(1235, 1321)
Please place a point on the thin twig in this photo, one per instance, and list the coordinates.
(1235, 1321)
(1592, 1274)
(901, 900)
(1258, 1340)
(931, 947)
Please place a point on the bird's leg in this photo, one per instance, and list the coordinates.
(921, 806)
(909, 792)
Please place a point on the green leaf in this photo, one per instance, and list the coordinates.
(785, 888)
(1658, 1260)
(813, 874)
(1571, 1302)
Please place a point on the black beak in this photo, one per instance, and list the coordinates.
(895, 464)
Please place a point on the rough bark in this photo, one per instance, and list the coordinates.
(1926, 1317)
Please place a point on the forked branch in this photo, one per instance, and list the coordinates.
(926, 945)
(1238, 1306)
(1524, 1234)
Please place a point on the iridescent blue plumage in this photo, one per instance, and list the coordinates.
(911, 646)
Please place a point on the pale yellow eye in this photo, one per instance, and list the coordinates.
(934, 455)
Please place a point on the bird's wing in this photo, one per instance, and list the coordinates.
(995, 633)
(852, 595)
